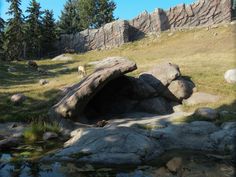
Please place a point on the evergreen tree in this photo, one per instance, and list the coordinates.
(1, 39)
(49, 32)
(33, 30)
(69, 20)
(87, 12)
(104, 12)
(14, 32)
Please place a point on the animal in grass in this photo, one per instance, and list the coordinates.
(32, 64)
(82, 71)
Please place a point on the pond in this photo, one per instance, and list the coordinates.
(192, 164)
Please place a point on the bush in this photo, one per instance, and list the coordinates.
(37, 129)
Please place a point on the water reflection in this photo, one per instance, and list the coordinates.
(189, 165)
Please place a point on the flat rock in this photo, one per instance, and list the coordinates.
(112, 145)
(174, 164)
(201, 98)
(230, 76)
(207, 113)
(75, 101)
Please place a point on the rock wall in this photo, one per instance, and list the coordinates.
(110, 35)
(200, 13)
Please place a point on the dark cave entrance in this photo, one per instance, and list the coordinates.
(115, 98)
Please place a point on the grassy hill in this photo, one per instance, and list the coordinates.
(202, 54)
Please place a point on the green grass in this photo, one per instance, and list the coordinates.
(36, 130)
(200, 55)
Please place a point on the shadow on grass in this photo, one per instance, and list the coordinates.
(25, 75)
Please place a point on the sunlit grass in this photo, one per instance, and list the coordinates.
(200, 55)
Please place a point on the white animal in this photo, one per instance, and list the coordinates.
(82, 71)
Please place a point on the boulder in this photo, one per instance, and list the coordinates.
(165, 73)
(18, 99)
(201, 98)
(180, 89)
(157, 105)
(230, 76)
(49, 135)
(73, 104)
(110, 145)
(207, 113)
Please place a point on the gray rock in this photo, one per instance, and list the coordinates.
(75, 101)
(108, 36)
(230, 76)
(164, 72)
(157, 105)
(18, 99)
(207, 113)
(201, 98)
(112, 145)
(49, 135)
(174, 164)
(181, 89)
(43, 81)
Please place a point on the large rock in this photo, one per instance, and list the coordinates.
(76, 100)
(201, 12)
(201, 98)
(157, 105)
(164, 72)
(62, 57)
(180, 89)
(108, 36)
(112, 145)
(230, 76)
(148, 23)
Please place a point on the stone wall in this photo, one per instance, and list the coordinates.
(200, 13)
(110, 35)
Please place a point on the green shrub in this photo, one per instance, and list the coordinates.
(36, 130)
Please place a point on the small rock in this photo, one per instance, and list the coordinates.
(42, 71)
(64, 70)
(207, 113)
(101, 123)
(43, 82)
(7, 144)
(230, 76)
(18, 98)
(11, 69)
(49, 135)
(201, 98)
(174, 164)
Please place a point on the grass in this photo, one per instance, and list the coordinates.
(36, 130)
(200, 55)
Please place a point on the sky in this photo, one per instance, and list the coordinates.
(126, 9)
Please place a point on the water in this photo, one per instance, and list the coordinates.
(194, 164)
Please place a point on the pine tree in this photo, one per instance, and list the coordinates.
(95, 13)
(33, 30)
(104, 12)
(49, 32)
(1, 38)
(14, 32)
(69, 20)
(87, 12)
